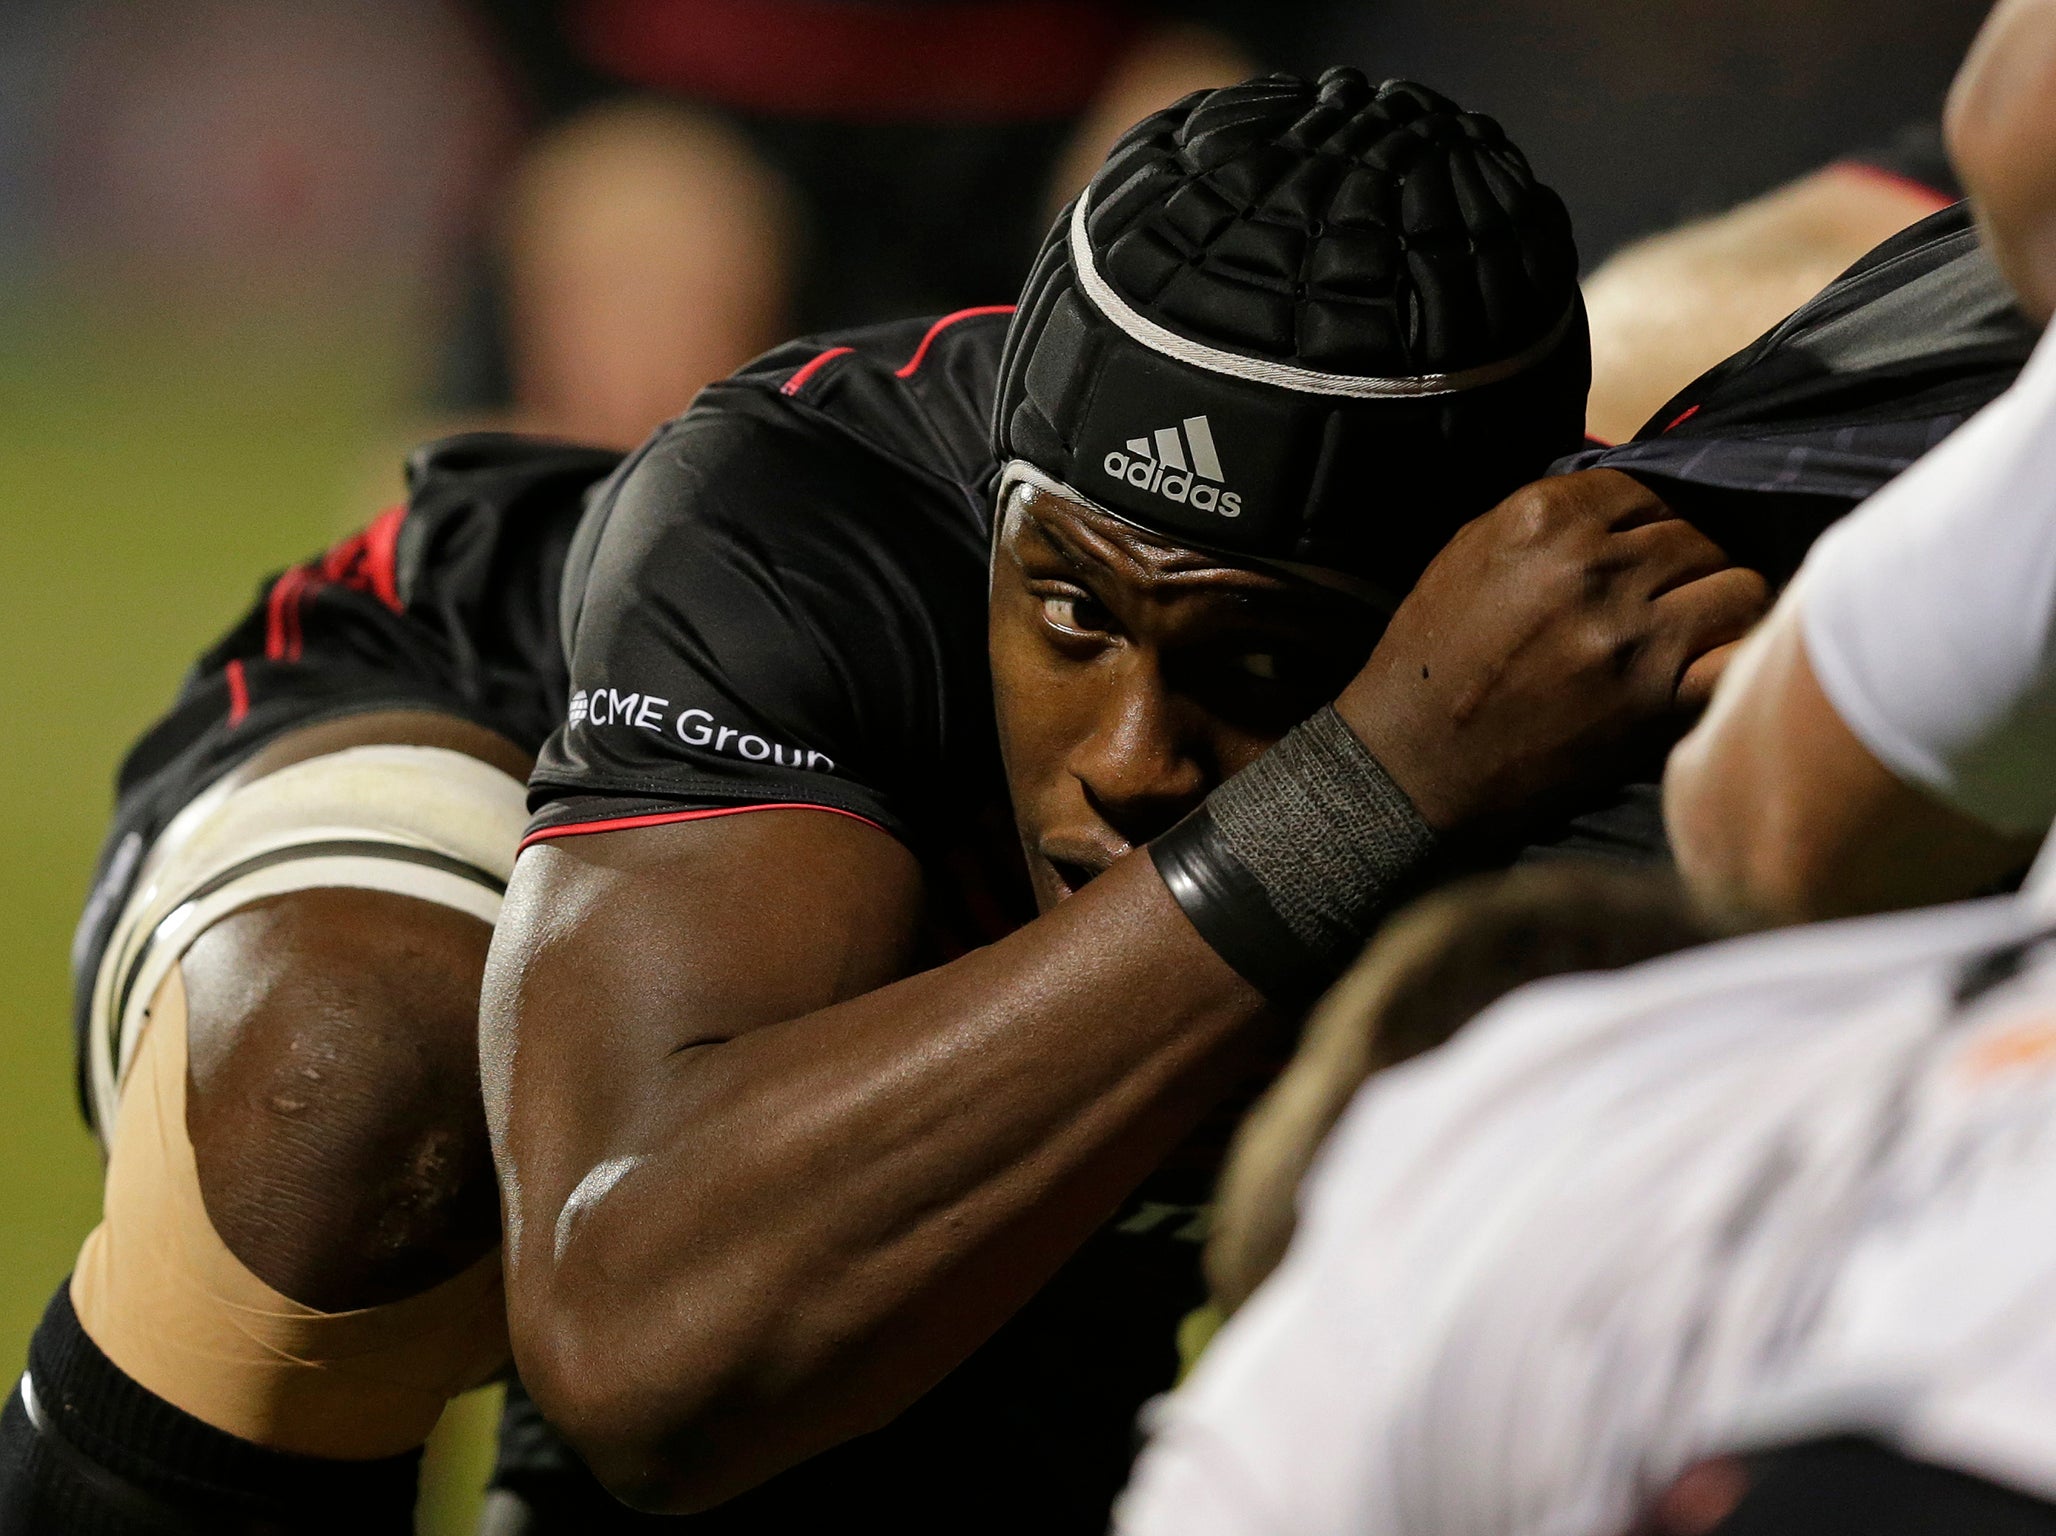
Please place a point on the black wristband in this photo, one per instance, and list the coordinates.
(1225, 902)
(1290, 865)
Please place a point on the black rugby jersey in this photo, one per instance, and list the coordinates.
(1768, 447)
(780, 598)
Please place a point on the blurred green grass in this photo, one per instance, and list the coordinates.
(152, 468)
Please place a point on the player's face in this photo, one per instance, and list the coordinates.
(1131, 677)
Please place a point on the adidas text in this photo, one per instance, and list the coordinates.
(1160, 464)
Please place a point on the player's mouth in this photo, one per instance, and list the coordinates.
(1075, 863)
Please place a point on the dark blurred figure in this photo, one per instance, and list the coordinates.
(707, 177)
(1646, 117)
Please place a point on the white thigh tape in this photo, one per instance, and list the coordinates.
(414, 821)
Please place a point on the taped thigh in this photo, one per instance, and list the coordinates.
(175, 1310)
(423, 822)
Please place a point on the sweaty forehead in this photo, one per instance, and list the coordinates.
(1084, 534)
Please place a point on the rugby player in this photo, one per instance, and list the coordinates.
(1813, 788)
(775, 1180)
(297, 1263)
(1749, 1241)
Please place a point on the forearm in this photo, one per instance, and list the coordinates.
(1778, 813)
(805, 1225)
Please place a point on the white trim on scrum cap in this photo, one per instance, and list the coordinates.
(1306, 381)
(1020, 472)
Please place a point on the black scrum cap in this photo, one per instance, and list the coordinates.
(1316, 324)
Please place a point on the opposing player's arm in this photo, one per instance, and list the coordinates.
(1779, 813)
(2002, 139)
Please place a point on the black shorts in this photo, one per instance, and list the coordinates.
(1848, 1486)
(447, 603)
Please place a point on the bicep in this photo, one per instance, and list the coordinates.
(619, 950)
(1778, 811)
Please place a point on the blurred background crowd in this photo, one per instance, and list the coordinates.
(250, 250)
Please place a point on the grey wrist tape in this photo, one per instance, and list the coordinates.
(1290, 864)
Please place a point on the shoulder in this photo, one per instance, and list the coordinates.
(1925, 309)
(825, 437)
(832, 457)
(918, 391)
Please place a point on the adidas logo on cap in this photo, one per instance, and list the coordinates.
(1178, 463)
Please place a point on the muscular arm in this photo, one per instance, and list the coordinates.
(2002, 137)
(746, 1174)
(1778, 813)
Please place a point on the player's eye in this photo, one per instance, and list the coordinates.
(1073, 613)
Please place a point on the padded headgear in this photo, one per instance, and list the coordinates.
(1318, 325)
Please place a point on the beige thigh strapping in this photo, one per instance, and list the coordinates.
(162, 1295)
(155, 1286)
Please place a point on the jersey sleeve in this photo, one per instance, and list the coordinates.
(1916, 157)
(1929, 614)
(763, 610)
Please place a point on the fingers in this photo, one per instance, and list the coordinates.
(1703, 619)
(1664, 555)
(1703, 675)
(1604, 497)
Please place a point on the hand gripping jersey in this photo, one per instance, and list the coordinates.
(780, 600)
(1759, 1194)
(1851, 388)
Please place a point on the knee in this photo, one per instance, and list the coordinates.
(332, 1094)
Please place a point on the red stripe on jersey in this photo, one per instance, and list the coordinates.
(1682, 417)
(1934, 199)
(665, 818)
(793, 385)
(282, 615)
(881, 61)
(366, 561)
(275, 617)
(238, 692)
(913, 364)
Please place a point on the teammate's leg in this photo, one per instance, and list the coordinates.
(298, 1262)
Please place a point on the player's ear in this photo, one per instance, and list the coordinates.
(1433, 968)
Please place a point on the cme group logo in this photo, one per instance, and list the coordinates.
(694, 727)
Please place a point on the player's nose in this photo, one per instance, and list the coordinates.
(1142, 765)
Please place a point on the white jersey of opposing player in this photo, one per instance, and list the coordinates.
(1782, 1187)
(1930, 613)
